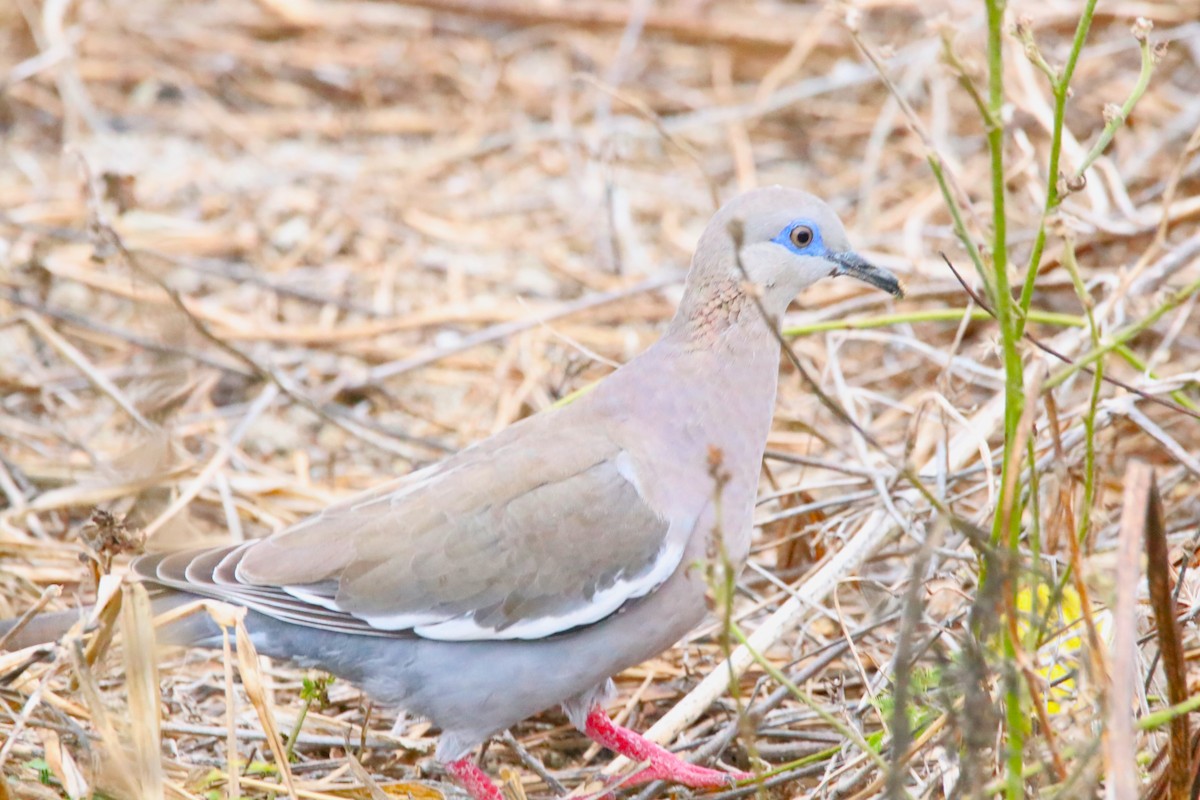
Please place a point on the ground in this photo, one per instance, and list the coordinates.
(258, 256)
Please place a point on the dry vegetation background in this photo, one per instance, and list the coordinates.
(255, 257)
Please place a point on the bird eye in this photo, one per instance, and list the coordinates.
(801, 236)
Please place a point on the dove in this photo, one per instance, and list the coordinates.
(529, 568)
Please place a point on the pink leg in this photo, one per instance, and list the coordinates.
(661, 763)
(473, 779)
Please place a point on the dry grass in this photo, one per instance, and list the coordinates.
(259, 256)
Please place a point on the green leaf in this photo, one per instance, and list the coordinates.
(40, 766)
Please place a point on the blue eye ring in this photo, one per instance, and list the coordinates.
(802, 237)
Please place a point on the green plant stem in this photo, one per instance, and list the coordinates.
(1035, 515)
(960, 227)
(289, 751)
(1084, 518)
(964, 79)
(1089, 418)
(783, 680)
(1014, 375)
(977, 314)
(1089, 457)
(1014, 394)
(821, 755)
(1134, 360)
(722, 578)
(1061, 86)
(1121, 337)
(1118, 119)
(995, 137)
(939, 172)
(1156, 719)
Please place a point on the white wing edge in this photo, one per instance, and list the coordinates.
(605, 602)
(464, 628)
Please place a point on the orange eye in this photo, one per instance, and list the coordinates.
(801, 236)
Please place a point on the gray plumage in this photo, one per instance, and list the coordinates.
(528, 569)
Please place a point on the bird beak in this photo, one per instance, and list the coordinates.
(854, 265)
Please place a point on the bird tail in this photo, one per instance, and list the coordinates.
(41, 629)
(46, 628)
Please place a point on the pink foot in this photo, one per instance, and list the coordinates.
(662, 764)
(474, 780)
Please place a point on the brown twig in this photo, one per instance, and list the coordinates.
(1170, 640)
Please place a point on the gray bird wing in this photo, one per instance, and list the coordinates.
(537, 530)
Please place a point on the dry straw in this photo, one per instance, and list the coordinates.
(255, 257)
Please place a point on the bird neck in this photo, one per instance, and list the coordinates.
(720, 314)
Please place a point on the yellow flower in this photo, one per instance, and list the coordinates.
(1058, 656)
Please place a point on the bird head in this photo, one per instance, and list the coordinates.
(782, 241)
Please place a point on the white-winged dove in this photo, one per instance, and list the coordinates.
(528, 569)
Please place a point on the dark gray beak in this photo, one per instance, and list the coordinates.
(856, 266)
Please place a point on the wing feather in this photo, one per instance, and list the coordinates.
(535, 531)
